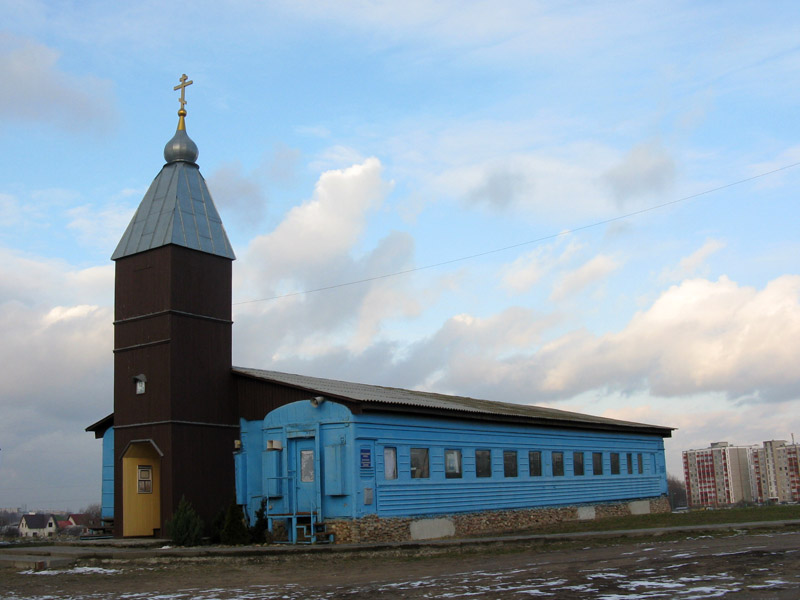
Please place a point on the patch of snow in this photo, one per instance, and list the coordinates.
(703, 592)
(629, 585)
(606, 575)
(76, 570)
(770, 583)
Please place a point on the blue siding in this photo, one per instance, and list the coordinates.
(351, 471)
(406, 496)
(107, 486)
(247, 463)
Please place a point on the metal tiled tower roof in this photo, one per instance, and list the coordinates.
(177, 209)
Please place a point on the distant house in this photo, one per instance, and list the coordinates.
(86, 522)
(37, 525)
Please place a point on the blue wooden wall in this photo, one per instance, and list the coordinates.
(349, 462)
(107, 486)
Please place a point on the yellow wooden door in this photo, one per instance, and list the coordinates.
(141, 490)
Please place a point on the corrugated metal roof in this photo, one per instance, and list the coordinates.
(177, 209)
(361, 392)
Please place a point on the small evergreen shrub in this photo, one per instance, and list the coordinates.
(234, 531)
(259, 532)
(185, 528)
(215, 531)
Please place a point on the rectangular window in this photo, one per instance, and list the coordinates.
(630, 463)
(452, 464)
(509, 463)
(389, 463)
(558, 464)
(615, 463)
(419, 463)
(577, 463)
(597, 463)
(145, 483)
(641, 463)
(535, 463)
(483, 463)
(306, 466)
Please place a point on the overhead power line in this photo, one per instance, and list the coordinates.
(525, 243)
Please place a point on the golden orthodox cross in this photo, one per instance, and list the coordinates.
(182, 87)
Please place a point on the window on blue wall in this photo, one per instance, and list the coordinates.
(306, 466)
(577, 463)
(641, 463)
(389, 463)
(483, 463)
(535, 463)
(558, 464)
(597, 463)
(629, 458)
(419, 463)
(452, 464)
(509, 463)
(615, 463)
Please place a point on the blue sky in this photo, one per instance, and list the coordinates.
(350, 140)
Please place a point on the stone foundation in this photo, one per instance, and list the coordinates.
(399, 529)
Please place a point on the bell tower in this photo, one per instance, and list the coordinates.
(175, 419)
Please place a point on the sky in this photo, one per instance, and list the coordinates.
(590, 206)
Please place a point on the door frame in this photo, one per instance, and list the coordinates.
(141, 504)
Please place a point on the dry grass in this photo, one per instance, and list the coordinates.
(694, 517)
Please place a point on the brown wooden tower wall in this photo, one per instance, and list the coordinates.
(173, 325)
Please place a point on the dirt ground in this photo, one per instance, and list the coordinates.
(740, 565)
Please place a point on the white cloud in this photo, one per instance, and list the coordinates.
(335, 157)
(594, 270)
(526, 270)
(694, 264)
(500, 188)
(564, 177)
(647, 170)
(563, 183)
(314, 236)
(99, 226)
(35, 89)
(787, 157)
(283, 164)
(237, 194)
(10, 210)
(56, 377)
(487, 29)
(33, 281)
(698, 336)
(318, 244)
(529, 268)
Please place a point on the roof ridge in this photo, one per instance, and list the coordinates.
(370, 393)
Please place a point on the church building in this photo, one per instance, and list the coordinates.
(326, 460)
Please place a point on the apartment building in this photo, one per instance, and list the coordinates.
(777, 471)
(724, 474)
(719, 475)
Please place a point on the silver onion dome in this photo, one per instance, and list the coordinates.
(181, 147)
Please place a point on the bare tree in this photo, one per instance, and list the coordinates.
(676, 490)
(93, 510)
